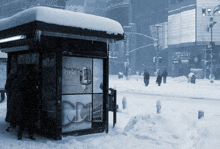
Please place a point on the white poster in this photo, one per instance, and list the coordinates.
(97, 108)
(97, 76)
(76, 112)
(76, 75)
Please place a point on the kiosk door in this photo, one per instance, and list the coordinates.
(82, 93)
(49, 94)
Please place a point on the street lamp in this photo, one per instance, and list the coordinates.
(157, 47)
(128, 51)
(126, 63)
(211, 24)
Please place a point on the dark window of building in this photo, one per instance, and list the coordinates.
(172, 2)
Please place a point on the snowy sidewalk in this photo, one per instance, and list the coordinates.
(175, 87)
(138, 126)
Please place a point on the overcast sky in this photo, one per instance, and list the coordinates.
(75, 2)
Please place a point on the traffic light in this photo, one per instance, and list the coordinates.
(208, 54)
(160, 59)
(125, 38)
(157, 59)
(215, 56)
(203, 11)
(211, 45)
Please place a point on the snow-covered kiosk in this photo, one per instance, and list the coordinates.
(69, 50)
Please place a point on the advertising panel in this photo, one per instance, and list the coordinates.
(181, 27)
(76, 75)
(97, 110)
(76, 112)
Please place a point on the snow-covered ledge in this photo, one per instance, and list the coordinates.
(63, 18)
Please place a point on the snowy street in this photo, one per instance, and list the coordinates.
(138, 126)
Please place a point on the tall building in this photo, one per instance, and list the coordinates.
(11, 7)
(139, 17)
(151, 20)
(119, 10)
(178, 31)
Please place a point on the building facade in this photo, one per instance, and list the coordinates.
(188, 37)
(139, 17)
(119, 10)
(96, 7)
(178, 31)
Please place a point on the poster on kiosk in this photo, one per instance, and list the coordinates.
(81, 79)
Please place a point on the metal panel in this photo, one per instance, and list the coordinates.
(15, 49)
(56, 34)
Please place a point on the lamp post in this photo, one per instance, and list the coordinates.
(211, 24)
(212, 46)
(157, 47)
(126, 46)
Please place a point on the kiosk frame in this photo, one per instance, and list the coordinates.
(72, 67)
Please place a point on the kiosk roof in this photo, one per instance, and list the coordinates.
(63, 18)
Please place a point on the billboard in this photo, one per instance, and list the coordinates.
(76, 112)
(76, 75)
(181, 27)
(82, 92)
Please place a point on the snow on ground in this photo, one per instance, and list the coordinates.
(138, 126)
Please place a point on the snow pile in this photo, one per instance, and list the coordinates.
(154, 127)
(207, 134)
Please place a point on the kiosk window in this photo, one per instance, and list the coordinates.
(82, 92)
(76, 75)
(97, 110)
(97, 76)
(76, 112)
(49, 82)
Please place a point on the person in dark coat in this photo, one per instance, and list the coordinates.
(164, 75)
(146, 78)
(16, 105)
(159, 78)
(9, 89)
(29, 108)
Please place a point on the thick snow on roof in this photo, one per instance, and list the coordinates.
(62, 17)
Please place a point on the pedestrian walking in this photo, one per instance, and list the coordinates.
(146, 78)
(9, 89)
(193, 79)
(159, 78)
(164, 75)
(15, 115)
